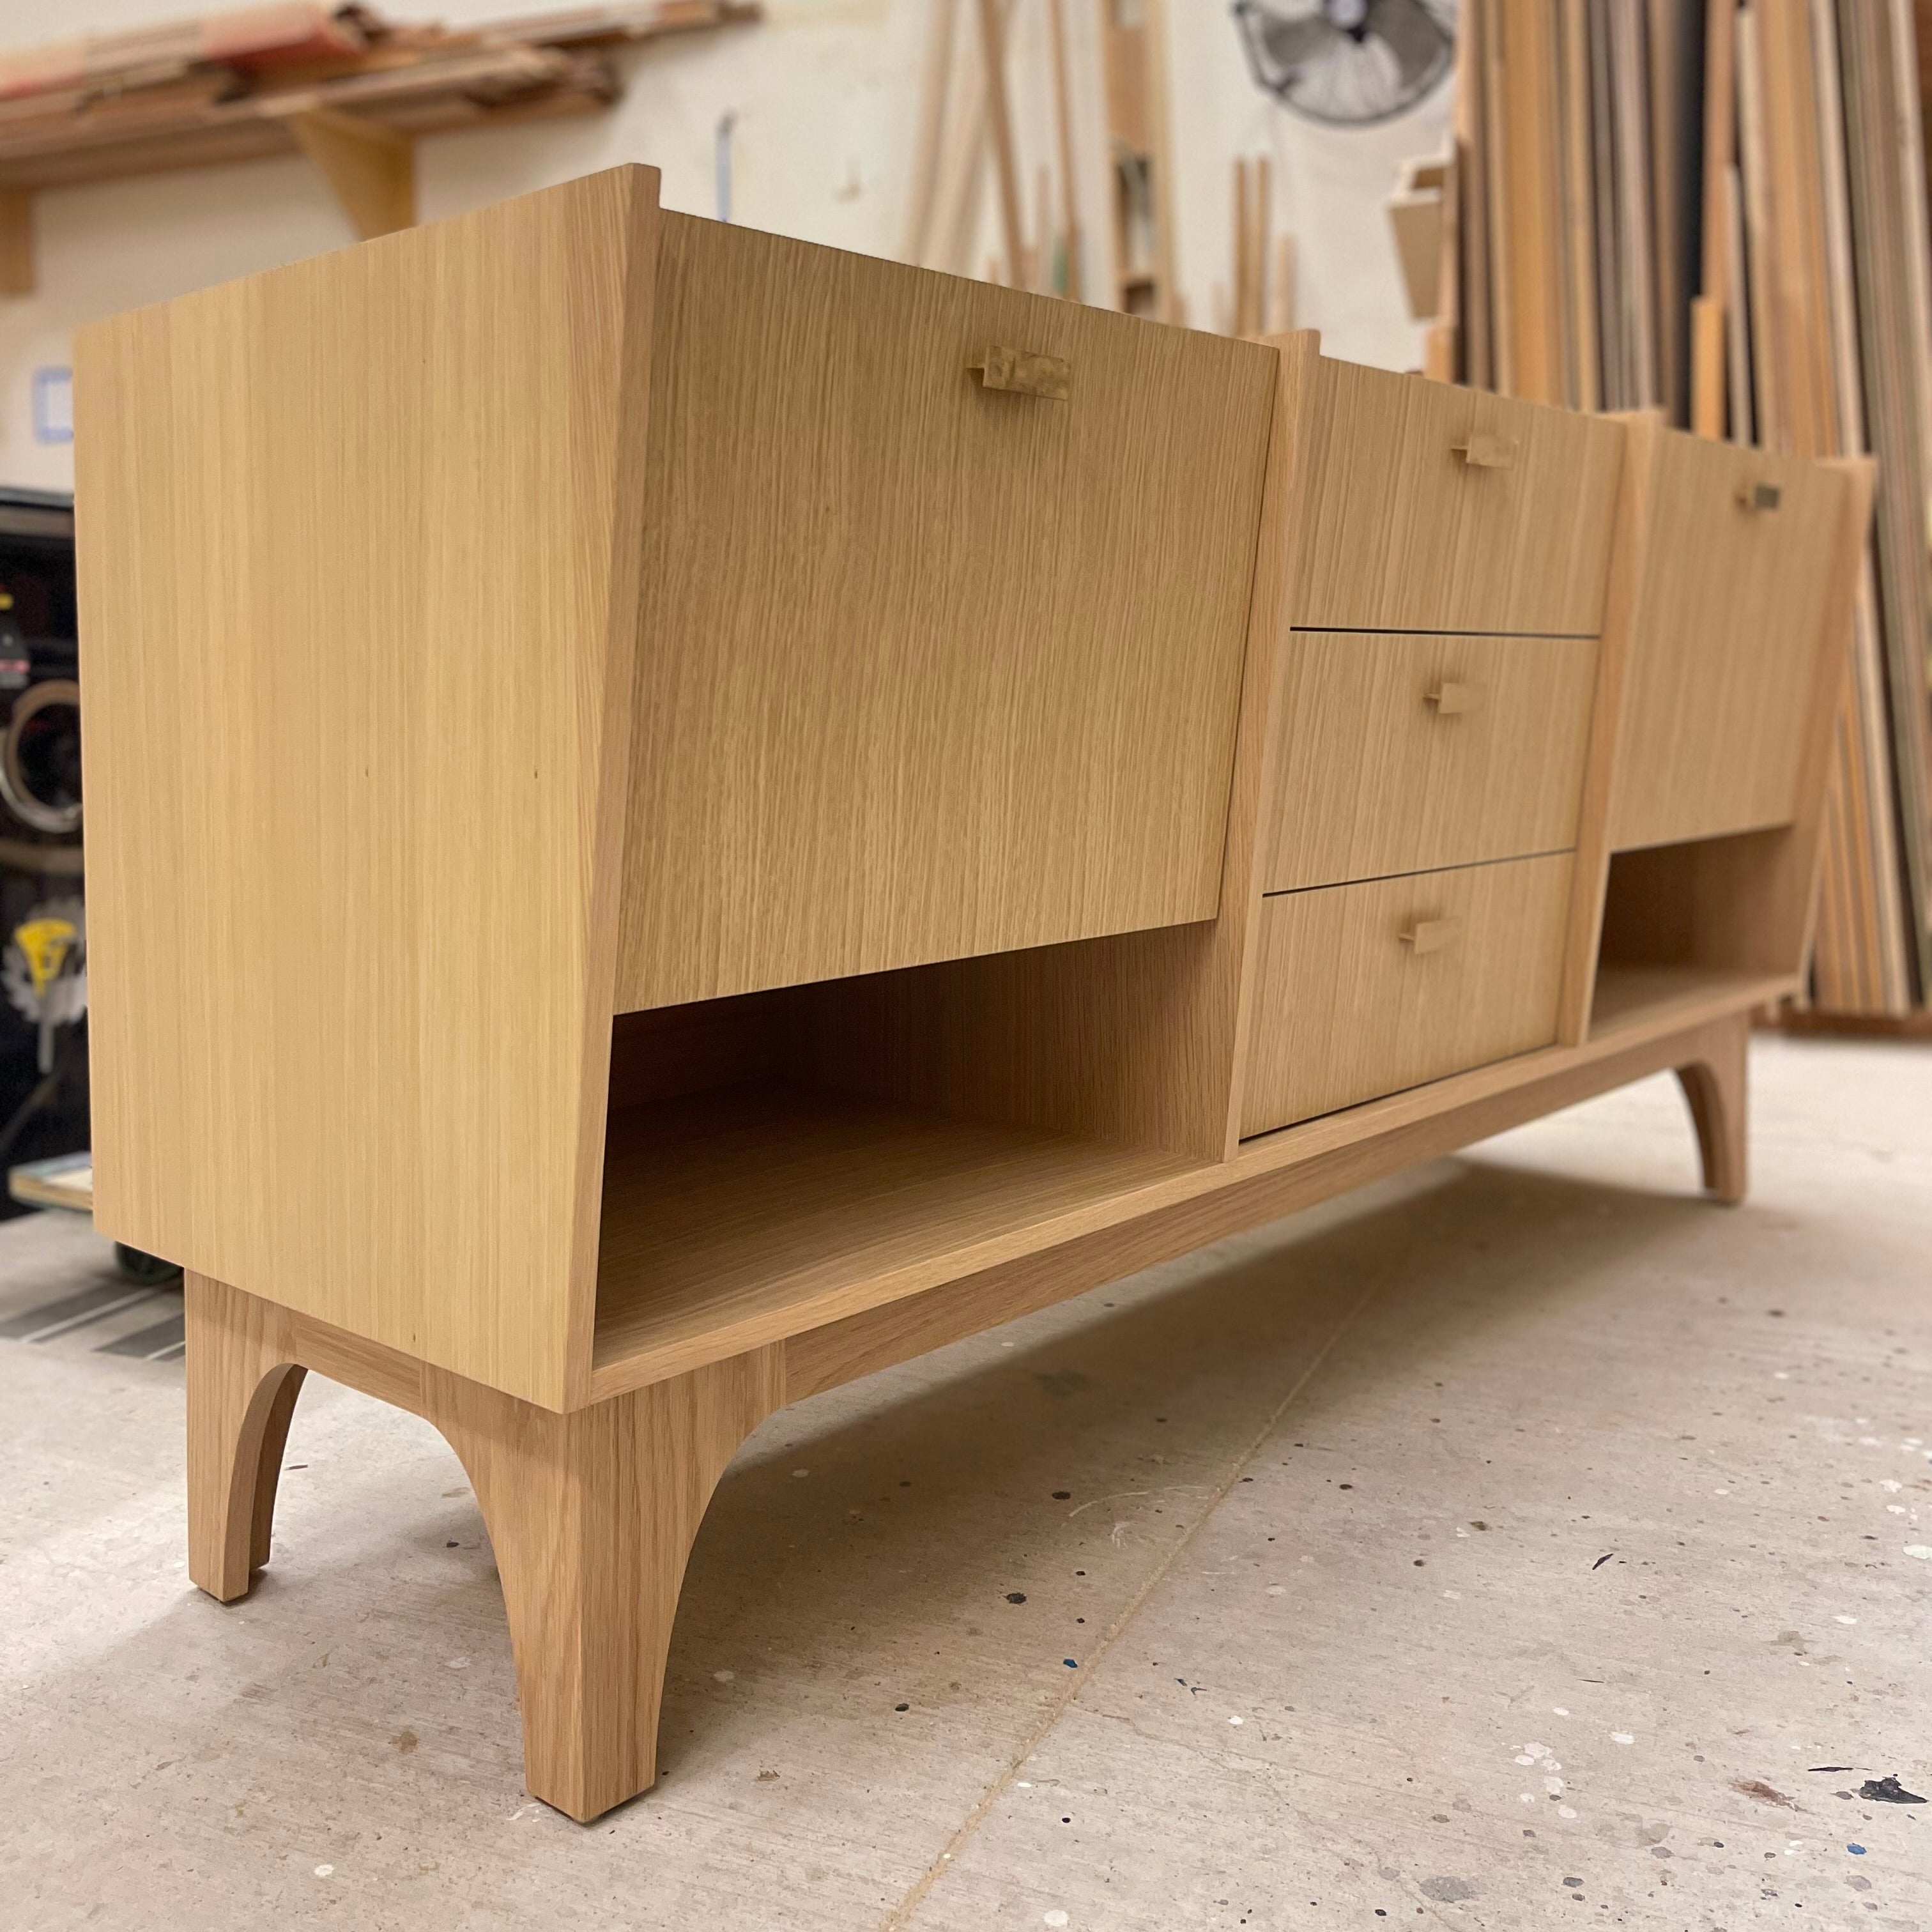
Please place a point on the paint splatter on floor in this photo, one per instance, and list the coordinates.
(1887, 1791)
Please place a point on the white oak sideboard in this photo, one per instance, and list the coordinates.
(729, 813)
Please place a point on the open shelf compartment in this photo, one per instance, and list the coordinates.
(1701, 927)
(761, 1177)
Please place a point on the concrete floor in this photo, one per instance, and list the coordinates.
(1520, 1544)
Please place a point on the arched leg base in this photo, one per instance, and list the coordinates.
(241, 1391)
(591, 1514)
(1715, 1084)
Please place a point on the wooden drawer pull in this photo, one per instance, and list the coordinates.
(1483, 451)
(1760, 496)
(1430, 935)
(1024, 373)
(1458, 700)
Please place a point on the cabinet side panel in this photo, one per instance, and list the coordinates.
(1643, 431)
(358, 561)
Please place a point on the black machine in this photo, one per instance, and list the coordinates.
(42, 914)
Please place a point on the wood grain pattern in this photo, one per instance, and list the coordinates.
(1748, 902)
(1730, 623)
(927, 670)
(1622, 594)
(358, 531)
(591, 1517)
(1281, 1173)
(1579, 252)
(1788, 916)
(1708, 904)
(1716, 1090)
(925, 674)
(1525, 35)
(671, 1051)
(1720, 152)
(1345, 1010)
(1123, 1224)
(1404, 536)
(1373, 779)
(1134, 1038)
(370, 167)
(1682, 995)
(1470, 318)
(851, 1192)
(241, 1389)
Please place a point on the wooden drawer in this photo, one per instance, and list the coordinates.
(1403, 754)
(1729, 620)
(928, 668)
(1363, 990)
(1408, 533)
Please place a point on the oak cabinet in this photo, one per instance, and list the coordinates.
(677, 817)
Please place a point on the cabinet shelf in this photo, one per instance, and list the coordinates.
(733, 1211)
(1631, 997)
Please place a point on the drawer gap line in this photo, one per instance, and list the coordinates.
(1411, 630)
(1422, 872)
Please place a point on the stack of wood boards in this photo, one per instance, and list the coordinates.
(1717, 210)
(226, 86)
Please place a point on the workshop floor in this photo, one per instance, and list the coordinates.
(1521, 1544)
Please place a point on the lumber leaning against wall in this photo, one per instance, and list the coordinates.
(1725, 218)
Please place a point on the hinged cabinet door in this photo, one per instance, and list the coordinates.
(945, 599)
(1737, 586)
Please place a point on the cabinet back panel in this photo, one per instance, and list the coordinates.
(926, 669)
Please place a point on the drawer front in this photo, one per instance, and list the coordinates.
(932, 663)
(1364, 990)
(1440, 508)
(1729, 621)
(1401, 754)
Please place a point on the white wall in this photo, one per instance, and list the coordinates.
(826, 91)
(1330, 185)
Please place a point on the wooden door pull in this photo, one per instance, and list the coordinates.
(1482, 451)
(1430, 935)
(1452, 700)
(1024, 373)
(1760, 496)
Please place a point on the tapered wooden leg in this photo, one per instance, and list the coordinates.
(241, 1391)
(591, 1516)
(1715, 1085)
